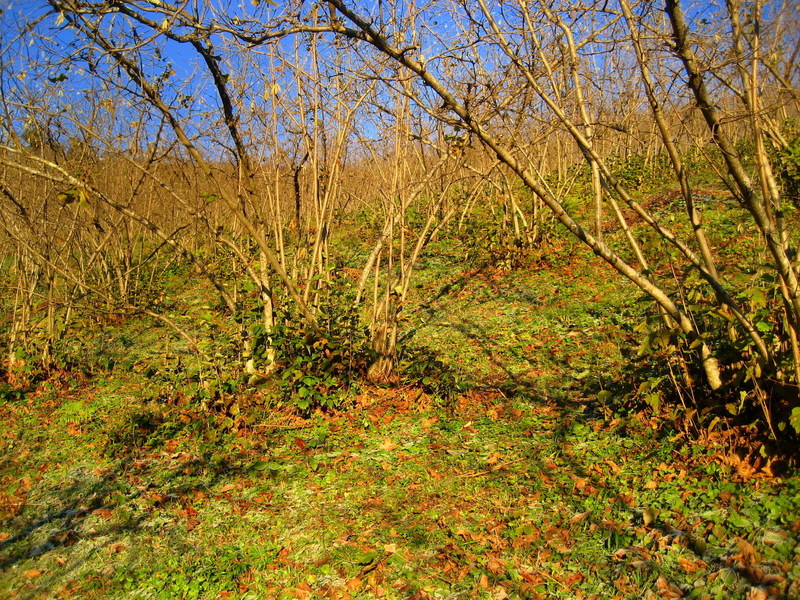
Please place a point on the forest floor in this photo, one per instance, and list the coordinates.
(532, 481)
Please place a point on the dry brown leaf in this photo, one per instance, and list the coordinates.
(666, 589)
(353, 584)
(757, 593)
(580, 517)
(691, 565)
(499, 593)
(33, 573)
(495, 566)
(387, 445)
(433, 473)
(103, 513)
(494, 458)
(626, 499)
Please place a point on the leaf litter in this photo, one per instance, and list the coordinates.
(530, 492)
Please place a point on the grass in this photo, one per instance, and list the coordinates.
(402, 498)
(525, 486)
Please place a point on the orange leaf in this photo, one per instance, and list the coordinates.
(388, 445)
(690, 566)
(33, 573)
(494, 458)
(354, 584)
(433, 473)
(495, 566)
(666, 589)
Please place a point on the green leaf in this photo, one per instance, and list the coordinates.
(757, 297)
(654, 401)
(794, 420)
(365, 558)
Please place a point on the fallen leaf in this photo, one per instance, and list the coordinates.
(390, 548)
(691, 565)
(666, 589)
(433, 473)
(33, 573)
(757, 593)
(494, 458)
(353, 584)
(499, 593)
(580, 517)
(387, 445)
(495, 566)
(649, 515)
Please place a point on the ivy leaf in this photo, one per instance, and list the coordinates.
(365, 558)
(794, 420)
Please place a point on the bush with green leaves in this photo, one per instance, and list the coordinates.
(317, 366)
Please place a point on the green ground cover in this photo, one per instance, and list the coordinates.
(514, 475)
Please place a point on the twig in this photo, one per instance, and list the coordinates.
(492, 470)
